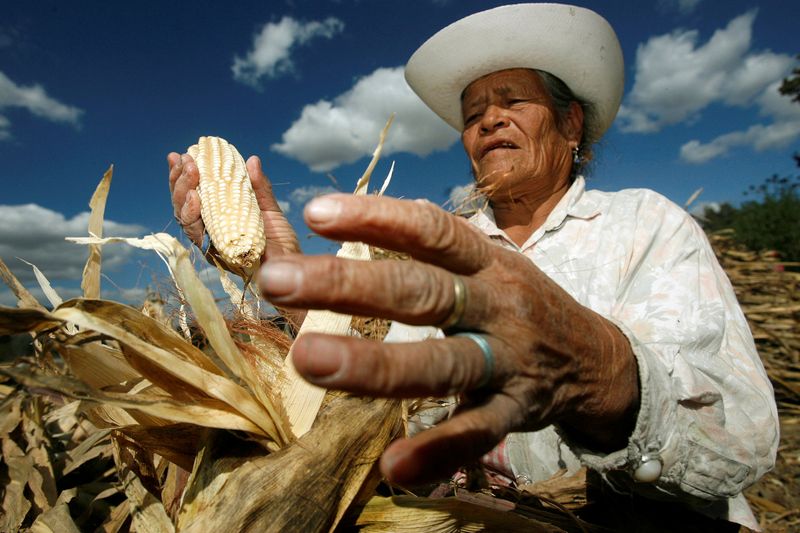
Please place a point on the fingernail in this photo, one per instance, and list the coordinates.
(323, 209)
(318, 359)
(322, 365)
(387, 463)
(280, 279)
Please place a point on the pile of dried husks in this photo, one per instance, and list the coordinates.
(118, 419)
(769, 293)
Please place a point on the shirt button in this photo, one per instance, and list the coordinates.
(648, 471)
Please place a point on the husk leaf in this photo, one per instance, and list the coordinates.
(302, 399)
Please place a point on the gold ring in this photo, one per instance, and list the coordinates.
(459, 304)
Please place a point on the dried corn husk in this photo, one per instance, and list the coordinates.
(301, 398)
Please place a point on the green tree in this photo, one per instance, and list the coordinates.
(771, 222)
(715, 219)
(791, 86)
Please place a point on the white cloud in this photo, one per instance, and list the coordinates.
(134, 296)
(464, 199)
(784, 128)
(329, 134)
(34, 99)
(684, 7)
(36, 234)
(302, 195)
(687, 6)
(272, 47)
(8, 299)
(698, 210)
(285, 206)
(677, 78)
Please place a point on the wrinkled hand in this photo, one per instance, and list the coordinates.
(183, 180)
(555, 360)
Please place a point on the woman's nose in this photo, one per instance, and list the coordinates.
(494, 118)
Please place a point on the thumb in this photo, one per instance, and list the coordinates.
(261, 185)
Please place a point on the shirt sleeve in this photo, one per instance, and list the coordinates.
(707, 425)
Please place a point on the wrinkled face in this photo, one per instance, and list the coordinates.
(512, 136)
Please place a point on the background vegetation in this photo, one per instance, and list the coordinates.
(770, 218)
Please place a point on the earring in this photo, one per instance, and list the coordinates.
(576, 156)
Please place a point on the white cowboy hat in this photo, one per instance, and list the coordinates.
(573, 43)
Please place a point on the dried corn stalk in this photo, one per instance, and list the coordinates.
(228, 205)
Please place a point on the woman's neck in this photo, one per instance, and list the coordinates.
(520, 216)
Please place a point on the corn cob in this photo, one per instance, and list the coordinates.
(228, 205)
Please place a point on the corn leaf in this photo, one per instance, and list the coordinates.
(56, 520)
(164, 357)
(178, 443)
(410, 514)
(50, 293)
(90, 281)
(14, 321)
(25, 298)
(202, 412)
(147, 512)
(15, 505)
(207, 314)
(98, 365)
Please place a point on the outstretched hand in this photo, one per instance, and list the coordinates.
(183, 180)
(555, 361)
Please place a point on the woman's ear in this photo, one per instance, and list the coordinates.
(572, 124)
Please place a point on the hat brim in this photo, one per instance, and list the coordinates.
(574, 44)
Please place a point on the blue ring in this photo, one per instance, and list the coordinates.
(488, 356)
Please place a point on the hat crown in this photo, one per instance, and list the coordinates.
(572, 43)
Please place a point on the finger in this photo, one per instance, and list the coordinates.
(438, 452)
(262, 187)
(418, 228)
(174, 162)
(408, 291)
(281, 237)
(439, 367)
(185, 182)
(190, 218)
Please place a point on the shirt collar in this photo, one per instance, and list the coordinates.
(575, 203)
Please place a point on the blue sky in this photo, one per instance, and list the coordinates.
(307, 85)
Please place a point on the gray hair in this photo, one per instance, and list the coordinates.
(562, 98)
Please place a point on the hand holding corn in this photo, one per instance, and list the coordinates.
(184, 179)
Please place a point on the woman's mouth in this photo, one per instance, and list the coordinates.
(498, 145)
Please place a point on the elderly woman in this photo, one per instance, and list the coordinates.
(580, 327)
